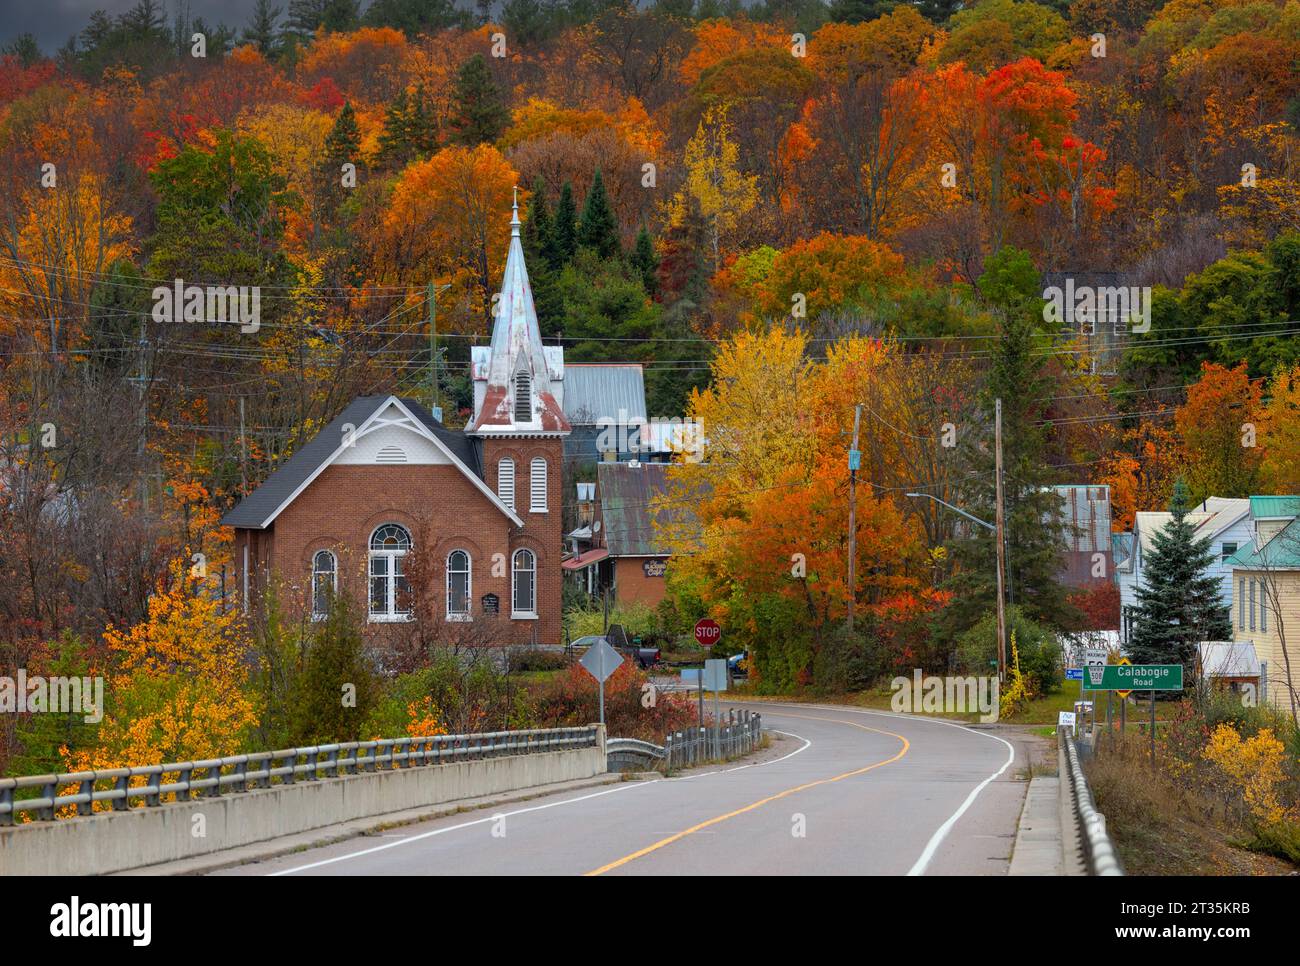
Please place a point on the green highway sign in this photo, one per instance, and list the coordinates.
(1133, 677)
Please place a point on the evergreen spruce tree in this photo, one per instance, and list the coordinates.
(335, 659)
(1178, 602)
(421, 128)
(480, 113)
(395, 138)
(646, 261)
(598, 228)
(564, 230)
(342, 146)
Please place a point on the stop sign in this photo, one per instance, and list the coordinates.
(707, 632)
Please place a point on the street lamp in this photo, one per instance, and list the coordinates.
(955, 509)
(1002, 614)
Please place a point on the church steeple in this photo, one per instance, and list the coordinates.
(518, 385)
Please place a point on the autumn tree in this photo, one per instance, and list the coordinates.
(715, 186)
(449, 217)
(1218, 428)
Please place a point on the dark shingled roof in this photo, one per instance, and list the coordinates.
(627, 493)
(255, 510)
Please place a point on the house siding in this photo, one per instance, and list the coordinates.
(1268, 644)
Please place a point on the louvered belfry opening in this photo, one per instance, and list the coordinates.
(523, 398)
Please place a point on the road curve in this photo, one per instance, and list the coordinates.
(859, 792)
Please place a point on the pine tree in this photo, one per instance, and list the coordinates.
(336, 16)
(342, 146)
(480, 113)
(395, 138)
(261, 32)
(1178, 602)
(1035, 538)
(598, 228)
(564, 230)
(421, 128)
(646, 261)
(335, 665)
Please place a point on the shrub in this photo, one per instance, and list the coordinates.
(536, 659)
(637, 619)
(572, 700)
(1040, 652)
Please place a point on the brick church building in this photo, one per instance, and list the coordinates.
(386, 485)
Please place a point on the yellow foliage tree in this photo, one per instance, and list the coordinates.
(1254, 767)
(179, 691)
(715, 186)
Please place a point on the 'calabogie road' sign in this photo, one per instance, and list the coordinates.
(1133, 677)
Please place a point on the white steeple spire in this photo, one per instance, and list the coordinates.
(520, 380)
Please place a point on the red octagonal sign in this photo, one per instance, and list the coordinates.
(707, 632)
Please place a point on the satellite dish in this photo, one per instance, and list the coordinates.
(595, 527)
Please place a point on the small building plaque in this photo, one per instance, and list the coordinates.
(491, 604)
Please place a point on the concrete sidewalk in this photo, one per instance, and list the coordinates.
(1048, 837)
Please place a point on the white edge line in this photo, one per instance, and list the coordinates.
(535, 808)
(941, 833)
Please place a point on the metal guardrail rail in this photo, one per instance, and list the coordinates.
(1099, 850)
(739, 736)
(241, 773)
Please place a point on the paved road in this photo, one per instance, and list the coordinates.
(858, 792)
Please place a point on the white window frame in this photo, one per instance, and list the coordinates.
(515, 571)
(506, 493)
(316, 614)
(390, 614)
(1252, 603)
(465, 615)
(537, 485)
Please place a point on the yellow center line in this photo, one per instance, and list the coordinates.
(763, 801)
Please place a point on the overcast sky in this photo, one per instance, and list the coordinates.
(52, 22)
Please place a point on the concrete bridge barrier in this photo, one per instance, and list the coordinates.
(234, 812)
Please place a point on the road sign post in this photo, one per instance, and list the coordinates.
(600, 662)
(715, 679)
(1153, 729)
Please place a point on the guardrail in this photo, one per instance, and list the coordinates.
(240, 773)
(738, 736)
(1099, 850)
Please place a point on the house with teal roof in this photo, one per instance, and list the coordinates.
(1266, 595)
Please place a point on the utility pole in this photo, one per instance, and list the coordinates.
(1001, 541)
(243, 452)
(855, 458)
(433, 349)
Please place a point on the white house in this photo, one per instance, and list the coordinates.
(1227, 522)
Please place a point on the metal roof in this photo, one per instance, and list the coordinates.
(1266, 507)
(1283, 551)
(627, 493)
(256, 510)
(1085, 514)
(603, 391)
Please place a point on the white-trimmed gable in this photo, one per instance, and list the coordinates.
(392, 439)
